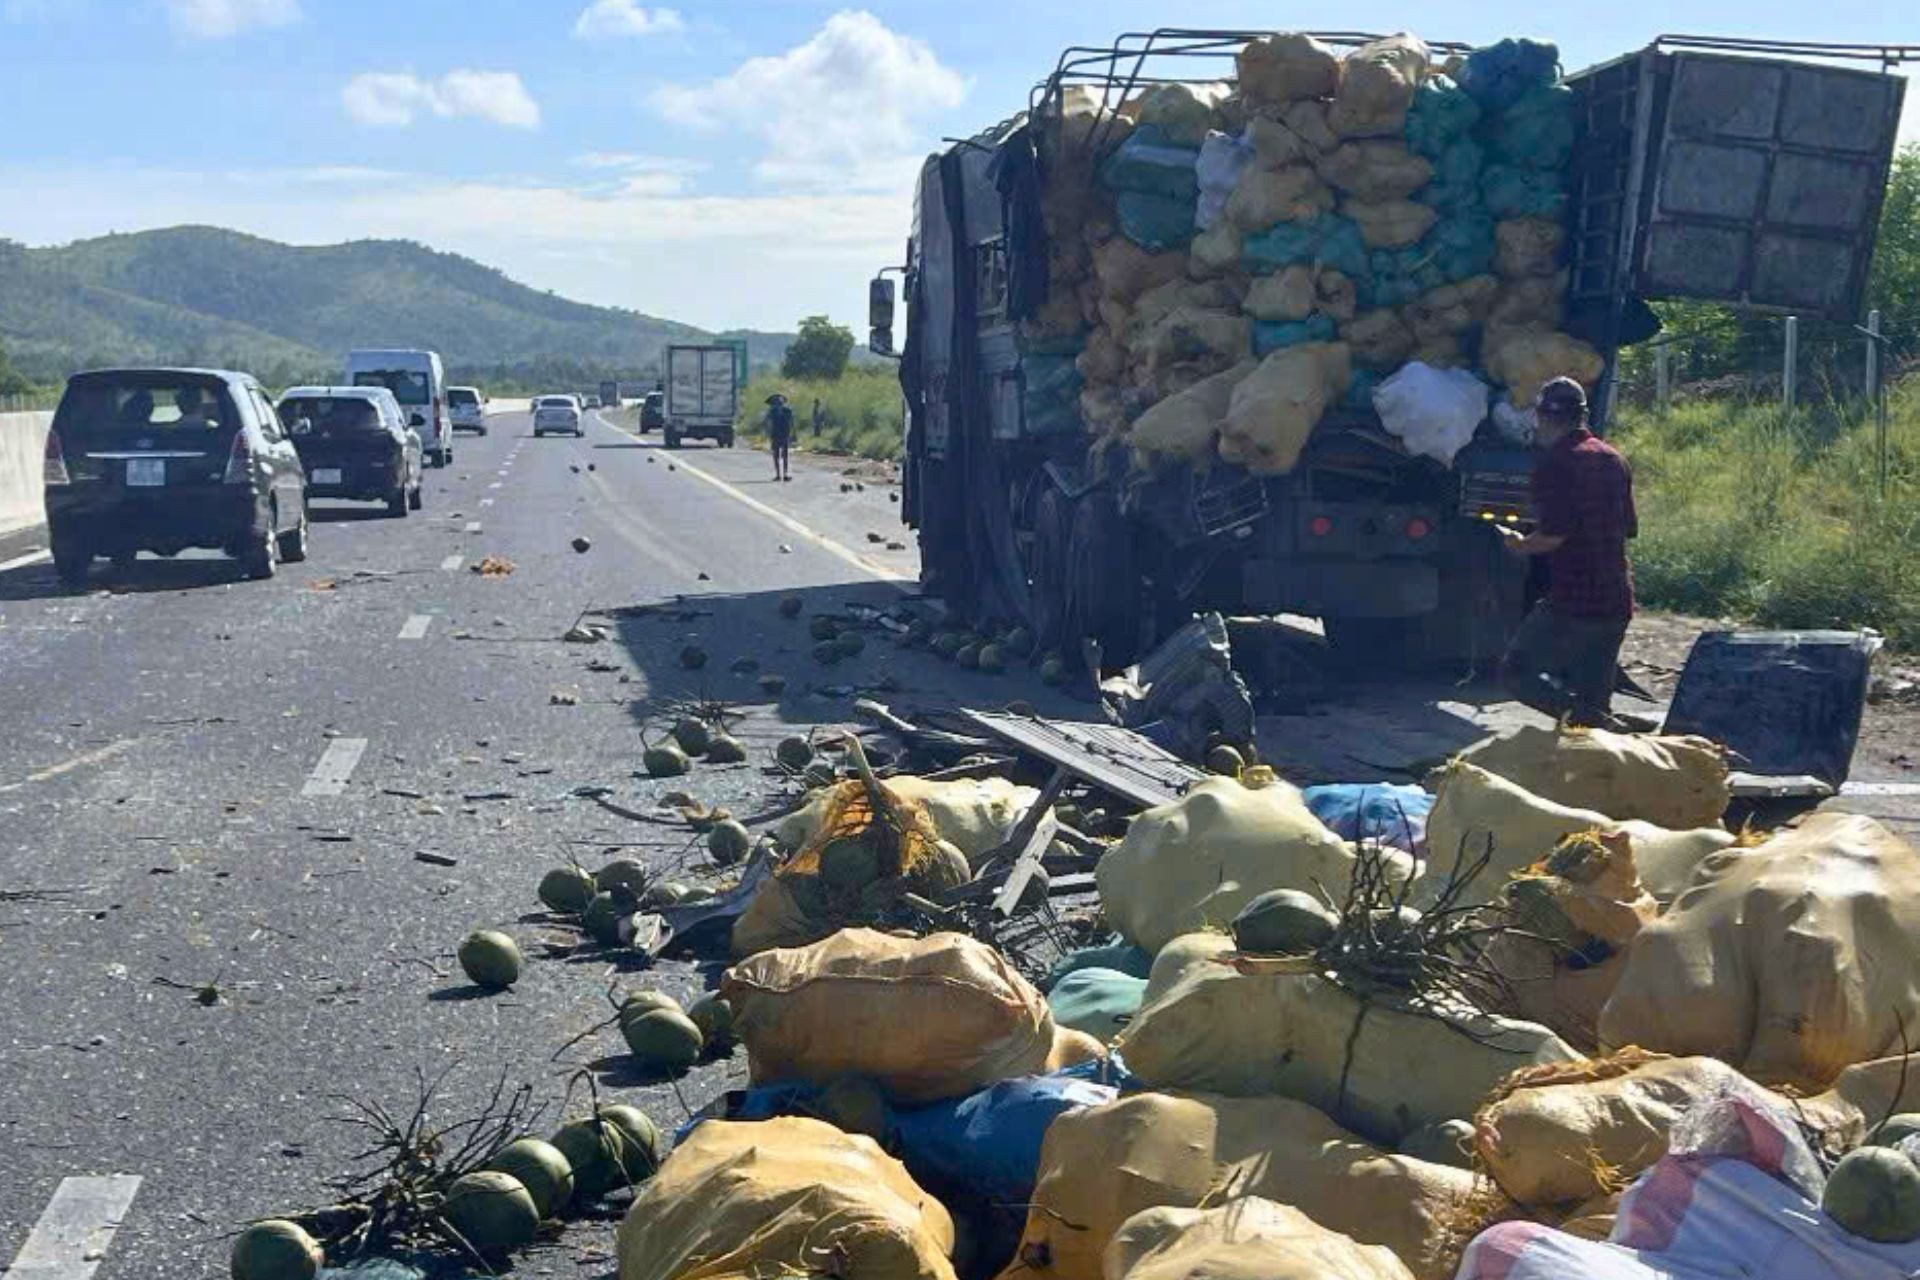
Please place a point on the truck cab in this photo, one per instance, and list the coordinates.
(1743, 172)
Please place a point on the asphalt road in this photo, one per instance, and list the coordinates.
(169, 733)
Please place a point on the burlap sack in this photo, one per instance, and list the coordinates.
(1374, 169)
(1101, 1165)
(1279, 69)
(1671, 781)
(1246, 1237)
(1377, 82)
(1524, 359)
(1276, 408)
(1390, 224)
(1527, 247)
(1263, 197)
(924, 1018)
(1288, 294)
(1379, 339)
(1792, 961)
(789, 1196)
(1184, 425)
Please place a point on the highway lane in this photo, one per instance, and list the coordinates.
(232, 779)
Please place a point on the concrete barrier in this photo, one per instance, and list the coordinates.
(23, 446)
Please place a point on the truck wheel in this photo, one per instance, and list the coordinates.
(673, 438)
(726, 441)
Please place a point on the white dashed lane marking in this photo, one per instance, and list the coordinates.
(329, 777)
(473, 526)
(21, 562)
(415, 628)
(452, 564)
(494, 485)
(486, 502)
(71, 1239)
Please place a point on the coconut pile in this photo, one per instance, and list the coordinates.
(1230, 264)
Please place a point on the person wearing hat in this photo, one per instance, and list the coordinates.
(779, 424)
(1563, 657)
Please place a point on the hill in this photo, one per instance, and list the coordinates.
(204, 295)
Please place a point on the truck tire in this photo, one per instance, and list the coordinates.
(726, 441)
(1104, 583)
(673, 438)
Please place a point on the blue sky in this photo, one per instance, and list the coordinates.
(724, 163)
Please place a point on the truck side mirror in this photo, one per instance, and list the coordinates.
(880, 316)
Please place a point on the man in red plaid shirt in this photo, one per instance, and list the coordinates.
(1562, 659)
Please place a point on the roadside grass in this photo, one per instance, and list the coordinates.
(1780, 520)
(864, 412)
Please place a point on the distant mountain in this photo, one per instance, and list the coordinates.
(203, 295)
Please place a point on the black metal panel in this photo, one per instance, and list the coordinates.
(1786, 703)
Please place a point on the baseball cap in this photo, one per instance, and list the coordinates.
(1561, 398)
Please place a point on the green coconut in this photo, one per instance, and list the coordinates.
(918, 631)
(1284, 922)
(1018, 643)
(568, 889)
(827, 652)
(714, 1017)
(602, 919)
(668, 893)
(729, 843)
(850, 863)
(1227, 762)
(665, 761)
(623, 876)
(947, 644)
(1895, 1129)
(1874, 1193)
(1053, 671)
(696, 893)
(692, 734)
(850, 643)
(641, 1003)
(968, 656)
(946, 868)
(275, 1250)
(490, 959)
(644, 1147)
(773, 685)
(596, 1151)
(1448, 1142)
(821, 774)
(663, 1041)
(794, 753)
(823, 628)
(726, 749)
(541, 1169)
(993, 659)
(790, 606)
(854, 1104)
(492, 1211)
(693, 657)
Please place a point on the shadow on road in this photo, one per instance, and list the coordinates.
(349, 515)
(39, 582)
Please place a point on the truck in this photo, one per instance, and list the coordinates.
(703, 394)
(610, 394)
(1739, 171)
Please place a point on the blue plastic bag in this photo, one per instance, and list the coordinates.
(1498, 74)
(1360, 392)
(1537, 130)
(1514, 191)
(1328, 240)
(1148, 164)
(1462, 245)
(1387, 812)
(989, 1142)
(1271, 335)
(1441, 115)
(1122, 956)
(1456, 178)
(1155, 223)
(1099, 1002)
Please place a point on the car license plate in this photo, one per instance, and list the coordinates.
(326, 475)
(146, 472)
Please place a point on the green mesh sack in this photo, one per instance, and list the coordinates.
(1155, 223)
(1392, 277)
(1441, 115)
(1462, 245)
(1271, 335)
(1515, 191)
(1537, 130)
(1328, 240)
(1456, 177)
(1360, 390)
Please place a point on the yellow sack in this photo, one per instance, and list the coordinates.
(1295, 134)
(1381, 1068)
(1182, 112)
(1101, 1165)
(1244, 1239)
(1263, 197)
(1218, 339)
(1215, 251)
(1196, 861)
(1377, 83)
(1390, 224)
(924, 1018)
(1527, 246)
(1379, 339)
(1525, 359)
(1336, 294)
(1529, 302)
(1288, 294)
(1474, 810)
(1102, 359)
(1375, 169)
(1184, 424)
(1670, 781)
(1792, 961)
(1281, 68)
(1451, 309)
(789, 1196)
(1125, 270)
(1275, 408)
(975, 815)
(1173, 961)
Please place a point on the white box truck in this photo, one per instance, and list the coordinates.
(703, 394)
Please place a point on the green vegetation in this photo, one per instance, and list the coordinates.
(1745, 511)
(864, 413)
(819, 352)
(12, 383)
(201, 295)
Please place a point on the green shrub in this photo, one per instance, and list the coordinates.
(864, 412)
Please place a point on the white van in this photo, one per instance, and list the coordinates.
(419, 383)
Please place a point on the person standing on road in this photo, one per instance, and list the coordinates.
(1563, 657)
(779, 424)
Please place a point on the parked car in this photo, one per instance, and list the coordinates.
(166, 459)
(557, 413)
(355, 443)
(653, 411)
(467, 409)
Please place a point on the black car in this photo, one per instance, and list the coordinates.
(355, 443)
(653, 411)
(166, 459)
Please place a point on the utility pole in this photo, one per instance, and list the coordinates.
(1663, 378)
(1790, 368)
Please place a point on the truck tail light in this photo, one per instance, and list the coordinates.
(239, 461)
(1320, 526)
(1418, 528)
(55, 462)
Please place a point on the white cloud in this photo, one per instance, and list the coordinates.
(625, 18)
(841, 109)
(394, 99)
(218, 19)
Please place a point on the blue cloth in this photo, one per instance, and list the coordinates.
(1146, 163)
(1123, 956)
(1497, 75)
(1099, 1002)
(1387, 812)
(1155, 223)
(989, 1142)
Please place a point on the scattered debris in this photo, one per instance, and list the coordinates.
(582, 544)
(564, 698)
(493, 567)
(435, 859)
